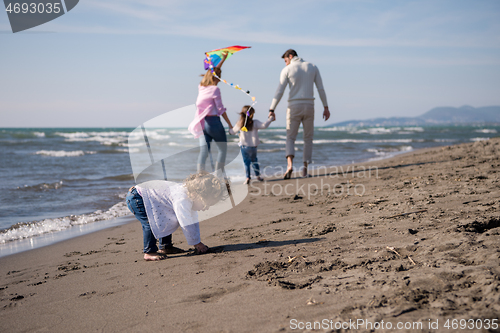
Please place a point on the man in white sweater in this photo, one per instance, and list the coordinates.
(300, 76)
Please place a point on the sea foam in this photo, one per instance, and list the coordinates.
(486, 131)
(36, 228)
(63, 153)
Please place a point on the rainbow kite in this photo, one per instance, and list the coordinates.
(215, 56)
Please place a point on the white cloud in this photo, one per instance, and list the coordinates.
(319, 23)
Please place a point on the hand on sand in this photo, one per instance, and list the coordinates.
(200, 248)
(154, 256)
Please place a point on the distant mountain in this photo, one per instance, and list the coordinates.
(438, 116)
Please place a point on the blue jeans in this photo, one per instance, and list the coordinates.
(250, 158)
(136, 206)
(216, 132)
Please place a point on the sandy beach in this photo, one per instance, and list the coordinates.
(412, 240)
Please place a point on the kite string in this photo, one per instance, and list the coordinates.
(244, 129)
(235, 86)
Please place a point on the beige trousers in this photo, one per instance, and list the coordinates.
(296, 114)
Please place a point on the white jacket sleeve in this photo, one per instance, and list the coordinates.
(281, 88)
(236, 127)
(188, 220)
(319, 86)
(260, 125)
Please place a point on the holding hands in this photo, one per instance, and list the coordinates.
(271, 115)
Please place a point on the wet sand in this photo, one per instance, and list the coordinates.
(412, 240)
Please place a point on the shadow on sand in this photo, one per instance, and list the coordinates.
(257, 245)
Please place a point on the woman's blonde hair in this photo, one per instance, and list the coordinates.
(249, 119)
(206, 186)
(209, 79)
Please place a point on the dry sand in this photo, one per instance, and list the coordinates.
(283, 261)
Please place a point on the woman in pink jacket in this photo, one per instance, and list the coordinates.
(209, 108)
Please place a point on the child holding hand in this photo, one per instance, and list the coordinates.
(249, 139)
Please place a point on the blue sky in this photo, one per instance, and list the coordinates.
(115, 63)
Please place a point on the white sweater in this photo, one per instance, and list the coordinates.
(301, 76)
(251, 138)
(168, 207)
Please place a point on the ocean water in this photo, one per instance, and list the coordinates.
(57, 179)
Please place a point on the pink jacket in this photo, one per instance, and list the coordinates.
(208, 103)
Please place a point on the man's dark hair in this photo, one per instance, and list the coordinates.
(288, 52)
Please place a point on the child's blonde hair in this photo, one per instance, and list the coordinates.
(206, 186)
(249, 118)
(209, 79)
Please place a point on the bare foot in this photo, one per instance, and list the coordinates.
(154, 256)
(304, 172)
(200, 248)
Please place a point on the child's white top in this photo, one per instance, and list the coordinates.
(168, 207)
(251, 138)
